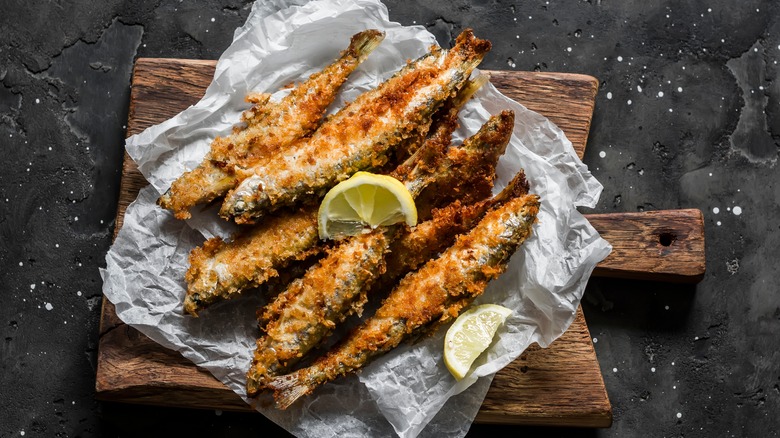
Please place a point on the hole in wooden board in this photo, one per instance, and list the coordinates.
(666, 238)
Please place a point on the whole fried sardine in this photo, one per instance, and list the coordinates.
(309, 309)
(435, 294)
(361, 136)
(429, 238)
(270, 128)
(220, 270)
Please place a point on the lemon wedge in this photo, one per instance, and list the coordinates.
(365, 199)
(470, 335)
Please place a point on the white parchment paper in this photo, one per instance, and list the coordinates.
(408, 392)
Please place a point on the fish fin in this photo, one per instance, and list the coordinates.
(363, 43)
(516, 188)
(287, 389)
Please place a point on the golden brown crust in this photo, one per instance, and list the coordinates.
(268, 128)
(219, 270)
(436, 293)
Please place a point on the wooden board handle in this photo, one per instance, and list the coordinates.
(664, 245)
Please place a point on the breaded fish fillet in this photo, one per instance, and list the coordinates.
(417, 246)
(270, 128)
(361, 136)
(435, 294)
(309, 309)
(220, 270)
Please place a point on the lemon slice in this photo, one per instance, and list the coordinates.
(470, 335)
(365, 199)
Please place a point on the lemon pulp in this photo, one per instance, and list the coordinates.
(365, 200)
(470, 335)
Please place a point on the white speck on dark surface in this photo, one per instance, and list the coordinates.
(48, 306)
(620, 59)
(614, 370)
(609, 95)
(37, 100)
(679, 415)
(639, 88)
(715, 210)
(660, 94)
(732, 266)
(602, 154)
(652, 370)
(595, 340)
(628, 102)
(737, 210)
(718, 223)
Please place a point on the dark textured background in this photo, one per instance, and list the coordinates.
(687, 116)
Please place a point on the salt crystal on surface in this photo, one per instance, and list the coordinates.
(48, 306)
(737, 210)
(32, 286)
(660, 94)
(679, 415)
(715, 210)
(614, 370)
(609, 95)
(602, 154)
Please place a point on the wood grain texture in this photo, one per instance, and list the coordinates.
(671, 245)
(559, 385)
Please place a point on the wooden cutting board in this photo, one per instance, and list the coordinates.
(560, 385)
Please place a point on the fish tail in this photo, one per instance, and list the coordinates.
(468, 90)
(363, 43)
(288, 388)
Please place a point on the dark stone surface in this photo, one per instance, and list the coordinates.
(687, 116)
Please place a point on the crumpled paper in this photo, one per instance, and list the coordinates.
(409, 391)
